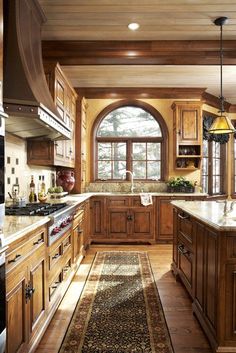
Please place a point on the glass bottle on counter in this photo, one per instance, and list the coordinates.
(43, 185)
(32, 195)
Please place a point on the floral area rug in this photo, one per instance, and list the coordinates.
(119, 310)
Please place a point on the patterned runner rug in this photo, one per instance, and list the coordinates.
(119, 310)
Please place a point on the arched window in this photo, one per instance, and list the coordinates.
(130, 137)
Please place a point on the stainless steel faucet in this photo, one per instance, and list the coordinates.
(132, 179)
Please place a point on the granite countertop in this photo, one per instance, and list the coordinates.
(210, 212)
(15, 227)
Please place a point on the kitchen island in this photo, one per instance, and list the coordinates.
(204, 258)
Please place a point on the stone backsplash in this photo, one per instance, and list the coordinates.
(126, 187)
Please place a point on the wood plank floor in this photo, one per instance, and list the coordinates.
(186, 334)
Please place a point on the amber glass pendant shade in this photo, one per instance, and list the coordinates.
(221, 125)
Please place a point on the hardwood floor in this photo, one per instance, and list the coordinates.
(186, 333)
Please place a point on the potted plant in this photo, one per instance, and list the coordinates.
(179, 184)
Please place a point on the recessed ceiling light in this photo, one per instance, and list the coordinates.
(133, 26)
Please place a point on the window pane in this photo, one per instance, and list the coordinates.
(104, 170)
(104, 151)
(153, 170)
(139, 151)
(129, 121)
(119, 151)
(205, 148)
(119, 169)
(139, 169)
(153, 151)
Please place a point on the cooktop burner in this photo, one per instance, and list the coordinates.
(34, 209)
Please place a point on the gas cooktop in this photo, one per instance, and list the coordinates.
(34, 209)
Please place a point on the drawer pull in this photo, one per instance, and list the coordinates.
(67, 244)
(79, 231)
(183, 217)
(55, 256)
(37, 242)
(16, 258)
(129, 217)
(183, 250)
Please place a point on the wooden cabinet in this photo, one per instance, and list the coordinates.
(164, 217)
(81, 143)
(26, 290)
(97, 218)
(60, 152)
(205, 260)
(118, 219)
(187, 135)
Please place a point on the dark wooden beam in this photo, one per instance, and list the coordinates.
(138, 93)
(138, 52)
(215, 101)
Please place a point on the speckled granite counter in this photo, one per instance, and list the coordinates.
(210, 212)
(17, 226)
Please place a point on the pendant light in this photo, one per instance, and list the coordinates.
(221, 124)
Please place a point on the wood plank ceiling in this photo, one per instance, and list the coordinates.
(176, 45)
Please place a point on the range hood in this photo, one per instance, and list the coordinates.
(26, 96)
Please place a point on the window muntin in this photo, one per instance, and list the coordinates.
(146, 160)
(129, 138)
(129, 122)
(111, 160)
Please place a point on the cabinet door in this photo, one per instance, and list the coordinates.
(165, 221)
(143, 224)
(188, 123)
(37, 281)
(97, 209)
(77, 235)
(60, 150)
(17, 311)
(119, 223)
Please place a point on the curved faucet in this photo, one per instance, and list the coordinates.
(132, 179)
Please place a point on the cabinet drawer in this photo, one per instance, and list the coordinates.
(55, 284)
(185, 265)
(78, 218)
(66, 269)
(185, 227)
(16, 253)
(117, 201)
(66, 243)
(54, 256)
(136, 202)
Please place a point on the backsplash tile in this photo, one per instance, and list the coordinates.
(17, 171)
(125, 187)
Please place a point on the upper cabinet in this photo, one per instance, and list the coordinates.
(187, 134)
(2, 114)
(81, 133)
(60, 152)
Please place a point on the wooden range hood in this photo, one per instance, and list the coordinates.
(26, 97)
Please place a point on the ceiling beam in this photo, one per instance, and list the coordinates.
(138, 52)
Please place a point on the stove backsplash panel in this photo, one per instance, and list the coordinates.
(17, 171)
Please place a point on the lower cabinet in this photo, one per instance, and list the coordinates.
(26, 290)
(37, 277)
(204, 258)
(122, 219)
